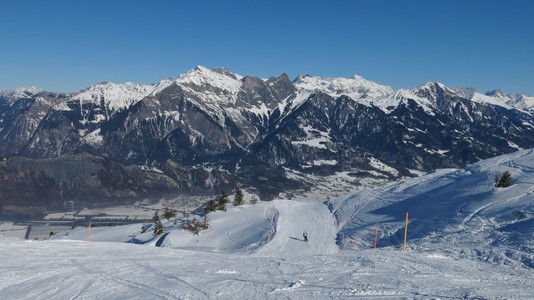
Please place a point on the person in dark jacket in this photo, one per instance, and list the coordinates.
(305, 235)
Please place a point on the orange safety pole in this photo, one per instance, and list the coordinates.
(89, 232)
(405, 232)
(376, 234)
(355, 239)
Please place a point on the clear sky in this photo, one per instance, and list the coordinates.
(67, 45)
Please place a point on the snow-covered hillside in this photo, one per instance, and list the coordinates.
(459, 212)
(467, 239)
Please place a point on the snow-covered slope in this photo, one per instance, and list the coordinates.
(451, 210)
(466, 240)
(457, 211)
(498, 101)
(88, 270)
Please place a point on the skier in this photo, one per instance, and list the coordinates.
(305, 235)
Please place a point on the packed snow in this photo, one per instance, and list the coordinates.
(466, 239)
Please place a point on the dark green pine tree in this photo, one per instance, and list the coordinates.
(506, 180)
(238, 197)
(211, 206)
(223, 200)
(158, 227)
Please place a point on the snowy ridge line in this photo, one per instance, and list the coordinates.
(366, 92)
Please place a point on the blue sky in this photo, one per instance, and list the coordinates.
(67, 45)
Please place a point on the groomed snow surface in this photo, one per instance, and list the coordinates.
(466, 240)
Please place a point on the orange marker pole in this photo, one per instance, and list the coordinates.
(376, 234)
(355, 245)
(405, 232)
(89, 232)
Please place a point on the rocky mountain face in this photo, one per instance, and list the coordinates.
(211, 129)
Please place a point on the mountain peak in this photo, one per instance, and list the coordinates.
(499, 93)
(219, 78)
(23, 92)
(355, 87)
(466, 92)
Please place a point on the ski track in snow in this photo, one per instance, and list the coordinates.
(126, 282)
(295, 218)
(167, 276)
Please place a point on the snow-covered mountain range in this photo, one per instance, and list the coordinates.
(211, 129)
(465, 239)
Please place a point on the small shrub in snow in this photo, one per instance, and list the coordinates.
(520, 215)
(253, 200)
(169, 213)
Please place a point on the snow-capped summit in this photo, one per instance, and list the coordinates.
(115, 96)
(497, 99)
(355, 87)
(24, 92)
(466, 92)
(425, 95)
(498, 93)
(217, 84)
(522, 102)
